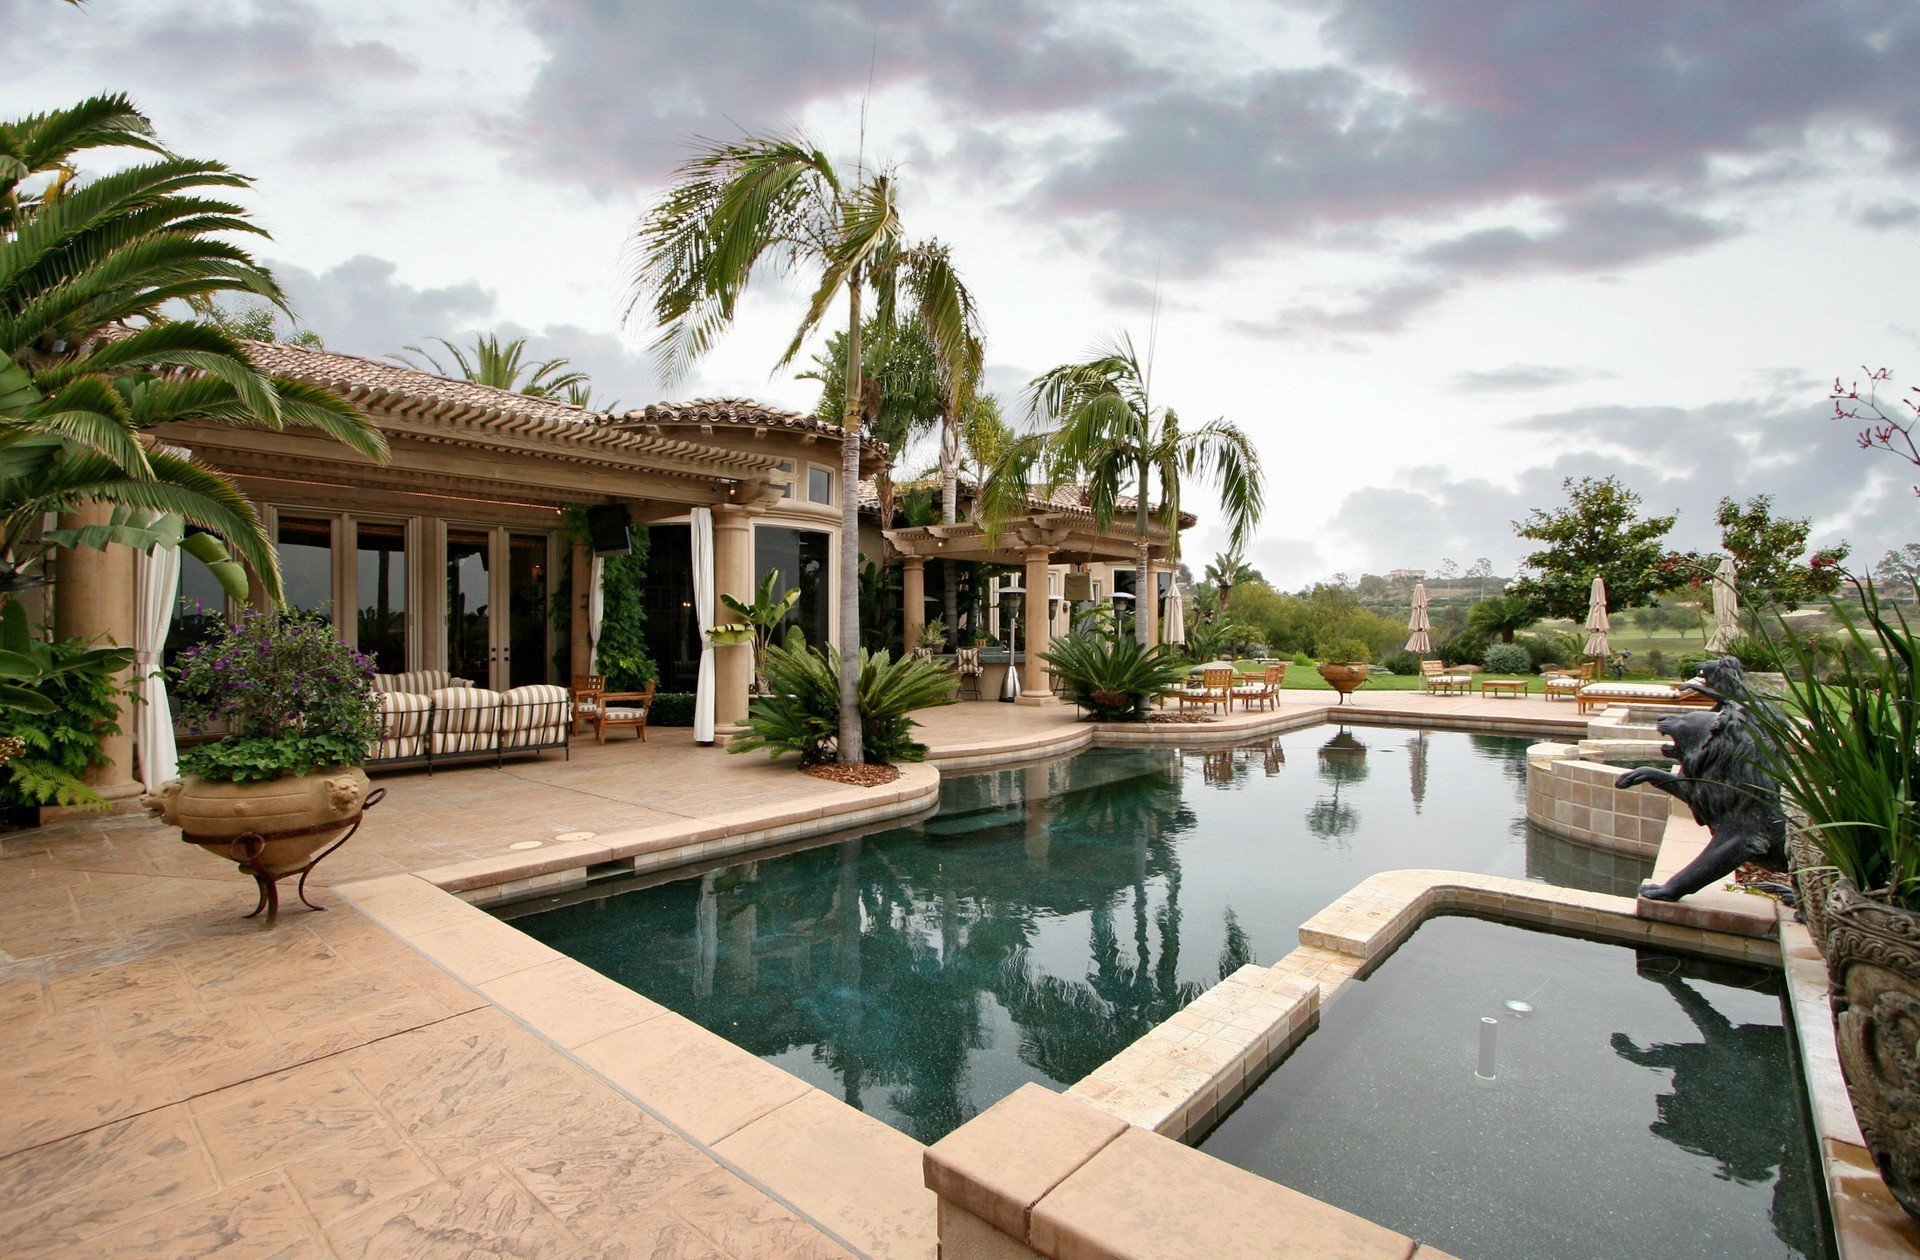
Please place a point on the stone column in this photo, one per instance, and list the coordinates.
(732, 575)
(1039, 631)
(913, 598)
(93, 600)
(581, 639)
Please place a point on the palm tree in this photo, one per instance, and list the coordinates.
(1502, 615)
(1107, 432)
(780, 199)
(89, 361)
(1226, 571)
(503, 365)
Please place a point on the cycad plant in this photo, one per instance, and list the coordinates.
(1105, 430)
(800, 713)
(1114, 678)
(90, 359)
(780, 200)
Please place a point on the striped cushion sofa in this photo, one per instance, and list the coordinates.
(428, 716)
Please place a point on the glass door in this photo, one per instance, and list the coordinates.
(526, 647)
(470, 648)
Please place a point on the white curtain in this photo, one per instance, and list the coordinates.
(156, 584)
(703, 609)
(596, 610)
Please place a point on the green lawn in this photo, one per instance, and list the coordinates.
(1307, 678)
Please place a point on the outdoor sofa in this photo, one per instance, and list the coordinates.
(427, 716)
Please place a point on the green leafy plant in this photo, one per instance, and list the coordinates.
(1846, 750)
(1507, 658)
(57, 700)
(801, 712)
(764, 616)
(1400, 661)
(289, 694)
(1345, 652)
(1113, 677)
(621, 650)
(933, 635)
(1213, 636)
(671, 708)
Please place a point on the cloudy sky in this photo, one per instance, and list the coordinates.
(1434, 256)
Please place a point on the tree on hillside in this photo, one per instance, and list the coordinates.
(1502, 616)
(1108, 433)
(780, 200)
(1599, 533)
(1481, 571)
(1768, 554)
(1899, 567)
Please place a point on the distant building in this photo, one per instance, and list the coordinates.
(1406, 575)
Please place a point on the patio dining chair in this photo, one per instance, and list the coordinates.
(1435, 680)
(623, 710)
(589, 697)
(1214, 692)
(1264, 690)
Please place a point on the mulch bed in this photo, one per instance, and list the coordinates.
(1751, 876)
(1177, 719)
(855, 776)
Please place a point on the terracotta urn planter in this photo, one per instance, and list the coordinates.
(270, 830)
(1873, 957)
(1345, 679)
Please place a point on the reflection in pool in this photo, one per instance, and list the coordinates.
(1644, 1104)
(1045, 917)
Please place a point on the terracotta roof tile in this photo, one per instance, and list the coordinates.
(392, 382)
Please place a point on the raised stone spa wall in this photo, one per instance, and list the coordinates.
(1574, 797)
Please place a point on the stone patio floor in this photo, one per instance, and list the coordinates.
(178, 1082)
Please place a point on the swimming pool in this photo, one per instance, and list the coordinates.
(1640, 1103)
(1046, 917)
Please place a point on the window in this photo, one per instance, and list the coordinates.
(785, 479)
(380, 580)
(469, 605)
(305, 544)
(819, 485)
(201, 605)
(803, 559)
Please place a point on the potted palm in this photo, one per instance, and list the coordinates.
(296, 715)
(1845, 749)
(1344, 666)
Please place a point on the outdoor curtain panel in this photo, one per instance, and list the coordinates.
(596, 612)
(156, 581)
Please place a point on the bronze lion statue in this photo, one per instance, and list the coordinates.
(1723, 784)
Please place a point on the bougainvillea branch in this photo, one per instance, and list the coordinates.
(1881, 429)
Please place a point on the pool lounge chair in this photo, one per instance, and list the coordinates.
(1435, 679)
(1601, 694)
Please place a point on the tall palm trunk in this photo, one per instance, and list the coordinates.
(850, 751)
(1140, 593)
(950, 514)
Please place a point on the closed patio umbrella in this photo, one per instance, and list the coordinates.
(1173, 623)
(1597, 622)
(1419, 642)
(1726, 607)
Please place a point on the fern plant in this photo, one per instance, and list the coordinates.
(801, 713)
(1113, 677)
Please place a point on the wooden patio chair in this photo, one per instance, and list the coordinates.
(623, 710)
(589, 697)
(1214, 692)
(1264, 690)
(1565, 684)
(1435, 680)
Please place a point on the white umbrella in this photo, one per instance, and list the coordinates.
(1173, 620)
(1419, 642)
(1597, 623)
(1726, 607)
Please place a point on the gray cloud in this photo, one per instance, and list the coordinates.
(1593, 235)
(1889, 214)
(1519, 377)
(1442, 108)
(1382, 308)
(625, 88)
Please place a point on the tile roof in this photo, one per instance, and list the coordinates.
(725, 412)
(1069, 498)
(392, 384)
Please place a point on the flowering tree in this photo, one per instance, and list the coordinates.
(1882, 428)
(1768, 553)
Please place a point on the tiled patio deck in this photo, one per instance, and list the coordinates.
(177, 1082)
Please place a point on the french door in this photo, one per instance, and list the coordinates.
(498, 582)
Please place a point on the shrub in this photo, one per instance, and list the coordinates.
(1113, 677)
(1756, 653)
(672, 708)
(1302, 659)
(1687, 664)
(1400, 661)
(1346, 652)
(1547, 648)
(60, 700)
(1506, 658)
(1465, 648)
(622, 647)
(291, 695)
(801, 713)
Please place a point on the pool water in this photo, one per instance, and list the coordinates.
(1647, 1104)
(1046, 917)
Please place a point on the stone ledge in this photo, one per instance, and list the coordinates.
(1006, 1159)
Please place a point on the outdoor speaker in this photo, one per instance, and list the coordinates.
(607, 529)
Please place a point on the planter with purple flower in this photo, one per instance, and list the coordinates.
(281, 786)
